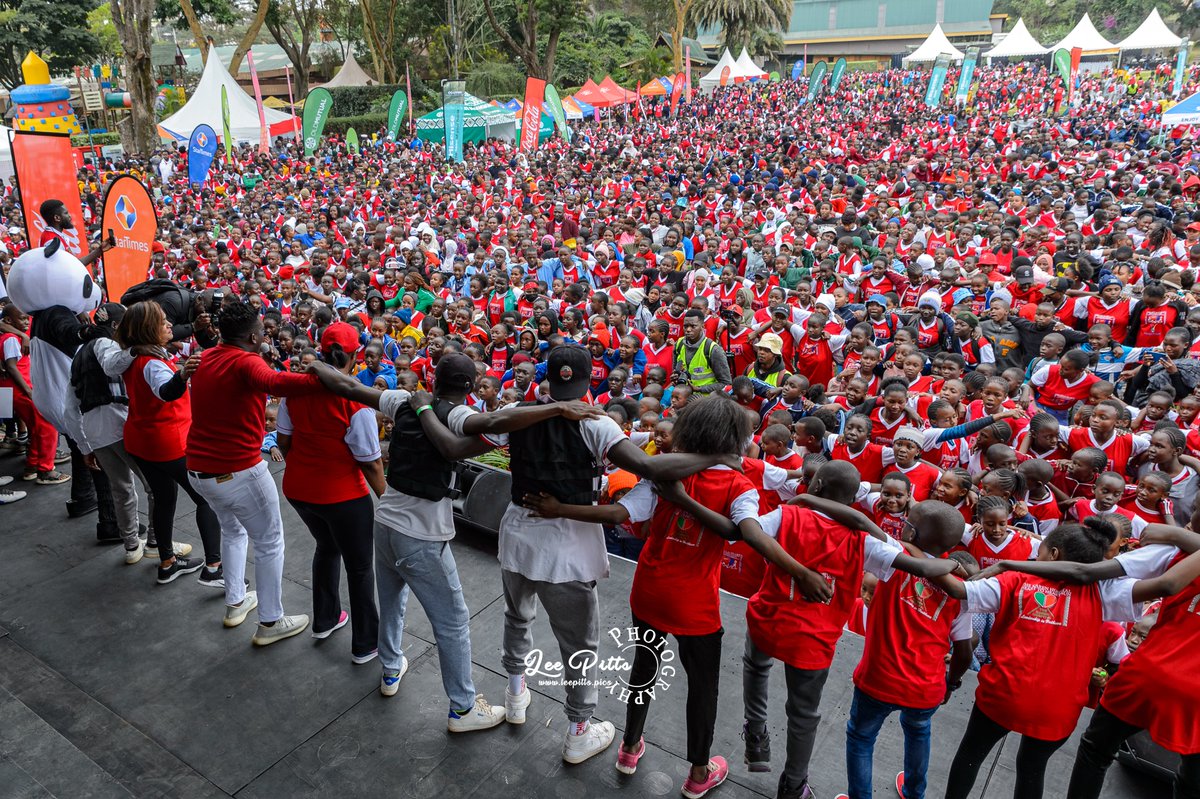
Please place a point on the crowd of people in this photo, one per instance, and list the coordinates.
(930, 376)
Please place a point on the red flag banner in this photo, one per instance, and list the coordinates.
(531, 115)
(130, 217)
(46, 170)
(676, 93)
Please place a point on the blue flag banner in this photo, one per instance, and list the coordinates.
(937, 81)
(964, 78)
(454, 113)
(202, 149)
(798, 68)
(1180, 64)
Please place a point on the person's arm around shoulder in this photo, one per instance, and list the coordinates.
(263, 378)
(344, 385)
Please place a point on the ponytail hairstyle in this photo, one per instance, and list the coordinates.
(1008, 480)
(1001, 430)
(336, 357)
(1041, 421)
(1083, 543)
(985, 504)
(964, 477)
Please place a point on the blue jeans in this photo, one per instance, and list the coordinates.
(866, 717)
(427, 568)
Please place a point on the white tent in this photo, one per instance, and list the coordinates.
(1153, 34)
(746, 69)
(1018, 44)
(713, 78)
(1085, 36)
(935, 45)
(351, 74)
(204, 107)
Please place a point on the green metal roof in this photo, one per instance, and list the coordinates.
(874, 19)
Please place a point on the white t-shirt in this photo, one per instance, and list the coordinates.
(1116, 598)
(559, 550)
(641, 501)
(418, 518)
(362, 436)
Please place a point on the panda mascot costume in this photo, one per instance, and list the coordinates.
(54, 287)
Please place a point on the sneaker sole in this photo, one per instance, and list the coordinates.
(212, 583)
(706, 791)
(276, 638)
(360, 660)
(236, 621)
(475, 728)
(323, 635)
(517, 716)
(758, 767)
(177, 574)
(396, 688)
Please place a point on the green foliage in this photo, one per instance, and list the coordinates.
(493, 78)
(1115, 19)
(351, 101)
(608, 44)
(100, 23)
(211, 12)
(97, 139)
(57, 31)
(741, 19)
(363, 124)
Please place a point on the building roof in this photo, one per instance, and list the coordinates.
(697, 50)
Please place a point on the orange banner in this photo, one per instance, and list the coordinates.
(45, 170)
(130, 217)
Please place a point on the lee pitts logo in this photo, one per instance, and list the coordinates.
(613, 673)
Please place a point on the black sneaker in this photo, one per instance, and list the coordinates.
(758, 749)
(212, 579)
(181, 565)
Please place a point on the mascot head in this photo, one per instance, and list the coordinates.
(50, 276)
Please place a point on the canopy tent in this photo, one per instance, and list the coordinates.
(745, 68)
(656, 88)
(1018, 44)
(1153, 34)
(480, 121)
(351, 74)
(275, 102)
(593, 95)
(713, 78)
(585, 108)
(935, 44)
(620, 96)
(204, 107)
(1085, 36)
(1185, 112)
(512, 105)
(572, 109)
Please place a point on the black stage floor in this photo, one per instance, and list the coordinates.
(112, 686)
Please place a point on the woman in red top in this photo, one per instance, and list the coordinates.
(156, 429)
(331, 445)
(1036, 616)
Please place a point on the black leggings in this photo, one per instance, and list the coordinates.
(977, 742)
(165, 478)
(1097, 749)
(344, 532)
(700, 656)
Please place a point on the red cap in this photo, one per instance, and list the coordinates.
(1194, 226)
(158, 246)
(342, 334)
(531, 285)
(988, 257)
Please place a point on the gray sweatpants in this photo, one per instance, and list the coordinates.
(574, 612)
(803, 709)
(120, 469)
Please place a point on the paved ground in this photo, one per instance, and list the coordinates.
(111, 686)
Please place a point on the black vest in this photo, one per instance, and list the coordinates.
(92, 386)
(552, 457)
(415, 466)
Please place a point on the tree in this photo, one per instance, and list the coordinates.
(535, 22)
(683, 9)
(739, 19)
(195, 14)
(292, 24)
(100, 23)
(57, 31)
(134, 24)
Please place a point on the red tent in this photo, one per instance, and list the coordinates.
(592, 94)
(619, 96)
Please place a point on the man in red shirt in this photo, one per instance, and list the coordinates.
(58, 220)
(229, 397)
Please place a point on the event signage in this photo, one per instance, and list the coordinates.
(676, 93)
(352, 145)
(225, 123)
(264, 138)
(130, 219)
(835, 77)
(963, 90)
(317, 107)
(1180, 63)
(1062, 64)
(45, 170)
(202, 149)
(725, 73)
(454, 112)
(798, 69)
(687, 72)
(396, 113)
(816, 81)
(937, 81)
(531, 114)
(555, 107)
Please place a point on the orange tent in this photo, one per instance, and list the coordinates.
(654, 89)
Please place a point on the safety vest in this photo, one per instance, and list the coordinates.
(698, 368)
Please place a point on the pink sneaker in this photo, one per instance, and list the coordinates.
(718, 770)
(627, 762)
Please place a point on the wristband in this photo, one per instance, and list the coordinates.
(423, 408)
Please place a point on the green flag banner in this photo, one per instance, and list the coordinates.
(937, 81)
(225, 123)
(396, 113)
(835, 77)
(963, 90)
(317, 107)
(553, 104)
(1062, 63)
(352, 141)
(817, 79)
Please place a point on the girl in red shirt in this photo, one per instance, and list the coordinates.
(156, 430)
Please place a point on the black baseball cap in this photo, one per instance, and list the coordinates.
(569, 370)
(455, 372)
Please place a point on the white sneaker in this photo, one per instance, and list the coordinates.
(595, 739)
(132, 556)
(389, 683)
(181, 550)
(482, 716)
(285, 627)
(236, 614)
(514, 706)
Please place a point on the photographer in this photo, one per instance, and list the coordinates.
(699, 359)
(186, 310)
